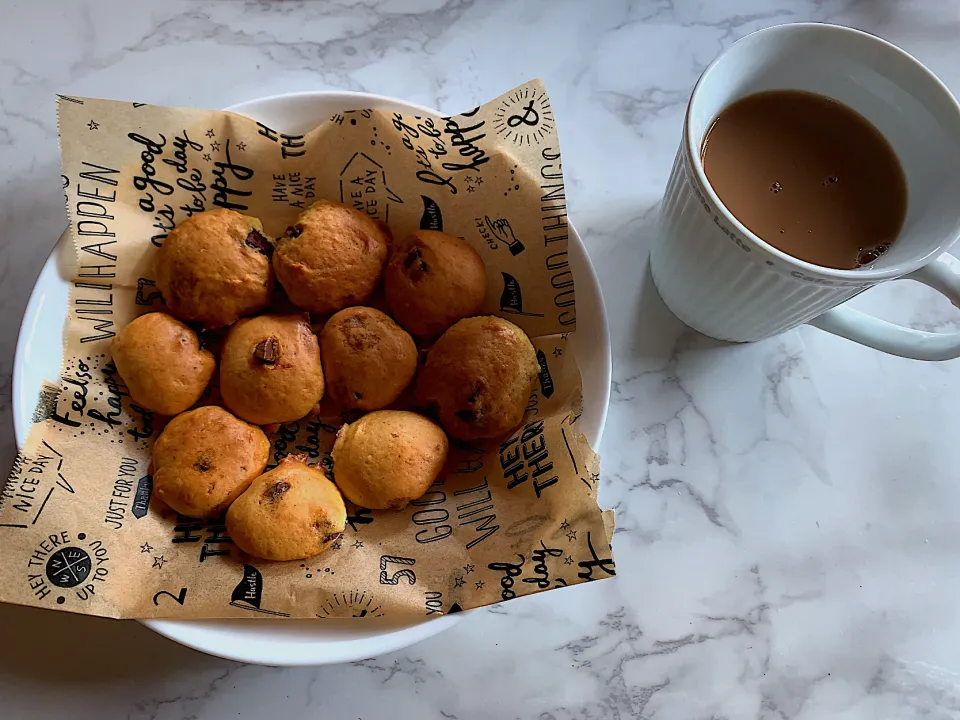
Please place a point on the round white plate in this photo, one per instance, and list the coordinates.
(297, 642)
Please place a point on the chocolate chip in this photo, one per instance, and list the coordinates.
(414, 264)
(258, 242)
(331, 537)
(203, 463)
(267, 351)
(274, 492)
(476, 411)
(356, 395)
(294, 231)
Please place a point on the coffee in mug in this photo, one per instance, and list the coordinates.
(720, 262)
(808, 175)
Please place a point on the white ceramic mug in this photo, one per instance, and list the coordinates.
(721, 279)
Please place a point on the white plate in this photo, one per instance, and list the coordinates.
(297, 642)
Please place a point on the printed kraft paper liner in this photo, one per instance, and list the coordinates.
(78, 528)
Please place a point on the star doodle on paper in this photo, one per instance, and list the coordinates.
(215, 146)
(471, 188)
(563, 336)
(337, 545)
(158, 561)
(211, 133)
(479, 180)
(241, 146)
(479, 584)
(358, 544)
(458, 582)
(93, 125)
(572, 535)
(557, 352)
(467, 569)
(206, 156)
(595, 477)
(564, 525)
(468, 178)
(146, 548)
(568, 560)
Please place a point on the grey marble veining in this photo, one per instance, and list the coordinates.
(788, 512)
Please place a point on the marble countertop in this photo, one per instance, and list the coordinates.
(788, 512)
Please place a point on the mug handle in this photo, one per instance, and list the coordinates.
(943, 275)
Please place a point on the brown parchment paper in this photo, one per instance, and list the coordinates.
(78, 528)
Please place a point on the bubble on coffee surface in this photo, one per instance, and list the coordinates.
(871, 255)
(776, 187)
(832, 180)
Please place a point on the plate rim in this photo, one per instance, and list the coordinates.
(333, 651)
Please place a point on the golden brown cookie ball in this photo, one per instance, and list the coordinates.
(289, 513)
(478, 377)
(332, 257)
(432, 280)
(214, 267)
(270, 369)
(162, 363)
(368, 359)
(388, 458)
(204, 459)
